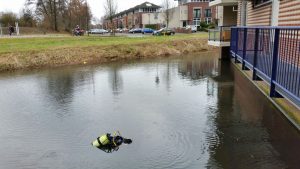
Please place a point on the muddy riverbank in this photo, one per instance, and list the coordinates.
(93, 54)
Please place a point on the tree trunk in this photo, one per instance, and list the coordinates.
(55, 16)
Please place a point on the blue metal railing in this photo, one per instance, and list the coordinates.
(273, 54)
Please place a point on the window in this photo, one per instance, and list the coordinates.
(197, 13)
(196, 21)
(208, 20)
(149, 10)
(207, 12)
(200, 0)
(260, 2)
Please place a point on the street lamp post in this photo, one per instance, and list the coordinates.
(0, 29)
(87, 15)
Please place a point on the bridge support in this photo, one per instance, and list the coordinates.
(224, 53)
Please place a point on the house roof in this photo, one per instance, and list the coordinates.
(143, 5)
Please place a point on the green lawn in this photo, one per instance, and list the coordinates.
(8, 45)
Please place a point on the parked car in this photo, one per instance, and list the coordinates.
(192, 27)
(136, 30)
(97, 31)
(147, 30)
(125, 30)
(119, 30)
(164, 31)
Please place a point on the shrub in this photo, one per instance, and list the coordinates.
(152, 26)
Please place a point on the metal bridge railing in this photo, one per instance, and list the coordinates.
(273, 54)
(221, 34)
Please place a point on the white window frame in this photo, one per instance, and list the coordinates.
(196, 20)
(208, 19)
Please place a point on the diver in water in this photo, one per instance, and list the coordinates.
(109, 143)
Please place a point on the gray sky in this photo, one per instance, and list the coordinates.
(96, 5)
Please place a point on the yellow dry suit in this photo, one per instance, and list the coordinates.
(115, 140)
(101, 141)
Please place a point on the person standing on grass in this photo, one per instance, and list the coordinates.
(11, 30)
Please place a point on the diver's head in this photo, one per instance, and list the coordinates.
(127, 141)
(118, 140)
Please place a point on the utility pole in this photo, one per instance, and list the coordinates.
(0, 29)
(149, 18)
(87, 16)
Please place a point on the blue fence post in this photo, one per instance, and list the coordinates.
(256, 42)
(244, 49)
(273, 92)
(236, 45)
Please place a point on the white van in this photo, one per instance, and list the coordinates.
(192, 27)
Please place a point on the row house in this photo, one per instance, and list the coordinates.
(188, 12)
(268, 13)
(138, 17)
(192, 12)
(264, 36)
(252, 13)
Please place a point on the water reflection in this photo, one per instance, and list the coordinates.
(248, 129)
(183, 112)
(167, 76)
(115, 79)
(196, 70)
(60, 86)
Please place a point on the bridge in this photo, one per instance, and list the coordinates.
(273, 55)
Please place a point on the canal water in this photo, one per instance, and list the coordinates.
(185, 112)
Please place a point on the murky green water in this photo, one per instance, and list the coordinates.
(182, 112)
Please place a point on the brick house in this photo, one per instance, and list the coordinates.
(188, 12)
(138, 17)
(192, 12)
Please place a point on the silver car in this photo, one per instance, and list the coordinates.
(97, 31)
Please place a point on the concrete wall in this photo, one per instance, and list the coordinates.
(183, 12)
(219, 15)
(178, 14)
(226, 16)
(231, 16)
(152, 18)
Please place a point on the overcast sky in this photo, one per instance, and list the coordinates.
(96, 5)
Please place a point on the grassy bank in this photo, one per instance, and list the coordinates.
(29, 53)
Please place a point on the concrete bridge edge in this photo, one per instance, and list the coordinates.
(283, 108)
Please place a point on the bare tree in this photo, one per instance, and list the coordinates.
(166, 6)
(111, 7)
(62, 14)
(79, 13)
(48, 10)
